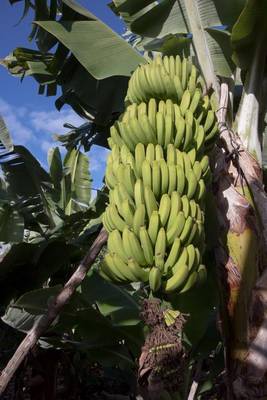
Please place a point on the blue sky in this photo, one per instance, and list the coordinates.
(31, 118)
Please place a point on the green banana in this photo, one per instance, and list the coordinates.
(169, 129)
(146, 173)
(153, 227)
(154, 279)
(146, 245)
(185, 206)
(180, 131)
(156, 179)
(197, 169)
(139, 196)
(139, 218)
(115, 219)
(182, 260)
(185, 102)
(180, 179)
(175, 228)
(140, 273)
(177, 280)
(191, 282)
(132, 247)
(164, 176)
(195, 100)
(171, 154)
(191, 256)
(160, 128)
(129, 179)
(140, 156)
(176, 206)
(123, 269)
(164, 209)
(150, 201)
(115, 244)
(150, 152)
(210, 118)
(173, 254)
(160, 245)
(186, 229)
(191, 184)
(113, 269)
(159, 154)
(178, 87)
(172, 179)
(152, 110)
(127, 212)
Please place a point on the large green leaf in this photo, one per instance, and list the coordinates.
(29, 308)
(78, 315)
(121, 305)
(249, 31)
(95, 46)
(160, 19)
(29, 185)
(76, 185)
(110, 298)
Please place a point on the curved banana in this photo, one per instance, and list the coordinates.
(140, 273)
(191, 184)
(139, 218)
(180, 131)
(164, 176)
(185, 206)
(180, 180)
(161, 242)
(186, 229)
(173, 254)
(177, 280)
(115, 244)
(127, 212)
(150, 201)
(175, 228)
(176, 206)
(154, 279)
(147, 173)
(154, 226)
(146, 245)
(140, 156)
(160, 128)
(150, 152)
(159, 154)
(156, 179)
(139, 196)
(164, 209)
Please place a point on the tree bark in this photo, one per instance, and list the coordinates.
(240, 255)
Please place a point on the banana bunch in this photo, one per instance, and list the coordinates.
(157, 173)
(167, 123)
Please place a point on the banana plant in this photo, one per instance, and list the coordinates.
(227, 41)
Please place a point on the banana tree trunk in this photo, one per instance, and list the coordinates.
(242, 212)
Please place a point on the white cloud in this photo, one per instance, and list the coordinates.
(46, 144)
(51, 122)
(29, 127)
(20, 132)
(97, 158)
